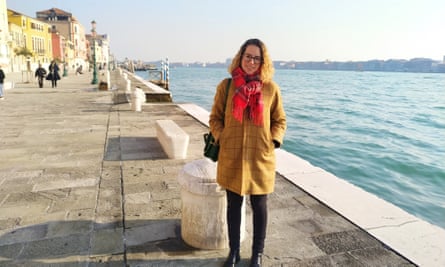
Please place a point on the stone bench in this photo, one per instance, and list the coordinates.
(173, 139)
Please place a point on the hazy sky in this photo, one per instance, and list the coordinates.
(213, 30)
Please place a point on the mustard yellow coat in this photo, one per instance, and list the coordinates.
(246, 161)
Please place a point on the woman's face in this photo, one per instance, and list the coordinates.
(251, 59)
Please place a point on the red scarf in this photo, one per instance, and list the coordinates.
(248, 94)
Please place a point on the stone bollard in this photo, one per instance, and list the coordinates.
(128, 88)
(108, 78)
(137, 98)
(204, 206)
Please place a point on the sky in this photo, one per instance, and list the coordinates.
(293, 30)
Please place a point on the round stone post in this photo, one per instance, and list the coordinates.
(128, 85)
(204, 207)
(137, 98)
(108, 79)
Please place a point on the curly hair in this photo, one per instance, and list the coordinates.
(266, 69)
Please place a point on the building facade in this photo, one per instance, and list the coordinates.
(55, 34)
(31, 41)
(99, 46)
(65, 24)
(5, 38)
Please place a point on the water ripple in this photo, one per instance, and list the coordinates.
(383, 132)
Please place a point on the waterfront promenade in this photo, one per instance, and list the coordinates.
(85, 182)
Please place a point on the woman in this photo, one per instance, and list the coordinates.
(252, 125)
(53, 73)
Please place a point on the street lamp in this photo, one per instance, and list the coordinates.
(93, 35)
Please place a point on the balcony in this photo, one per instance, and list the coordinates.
(40, 52)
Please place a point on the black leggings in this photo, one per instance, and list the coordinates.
(259, 208)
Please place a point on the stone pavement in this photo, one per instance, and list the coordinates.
(84, 182)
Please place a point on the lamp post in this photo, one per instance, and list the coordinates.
(93, 35)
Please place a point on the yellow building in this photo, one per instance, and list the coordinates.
(35, 44)
(17, 63)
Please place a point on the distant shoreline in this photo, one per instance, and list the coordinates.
(415, 65)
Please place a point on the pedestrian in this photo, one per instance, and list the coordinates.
(248, 124)
(2, 79)
(79, 70)
(53, 74)
(40, 74)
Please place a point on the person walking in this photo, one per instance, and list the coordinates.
(2, 80)
(248, 127)
(40, 74)
(53, 74)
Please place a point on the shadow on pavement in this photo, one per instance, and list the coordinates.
(87, 243)
(134, 148)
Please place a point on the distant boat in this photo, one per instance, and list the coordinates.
(145, 67)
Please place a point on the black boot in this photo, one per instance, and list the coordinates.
(232, 259)
(256, 259)
(234, 203)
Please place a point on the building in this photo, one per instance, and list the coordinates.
(5, 38)
(53, 34)
(74, 45)
(58, 42)
(31, 42)
(16, 62)
(99, 46)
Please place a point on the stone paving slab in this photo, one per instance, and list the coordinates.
(84, 182)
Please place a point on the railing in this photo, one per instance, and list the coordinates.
(160, 77)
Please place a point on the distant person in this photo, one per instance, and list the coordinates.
(2, 79)
(40, 74)
(53, 75)
(79, 70)
(248, 130)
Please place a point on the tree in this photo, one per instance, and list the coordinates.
(23, 51)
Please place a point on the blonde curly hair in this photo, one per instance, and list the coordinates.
(266, 69)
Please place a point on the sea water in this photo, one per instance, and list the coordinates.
(381, 131)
